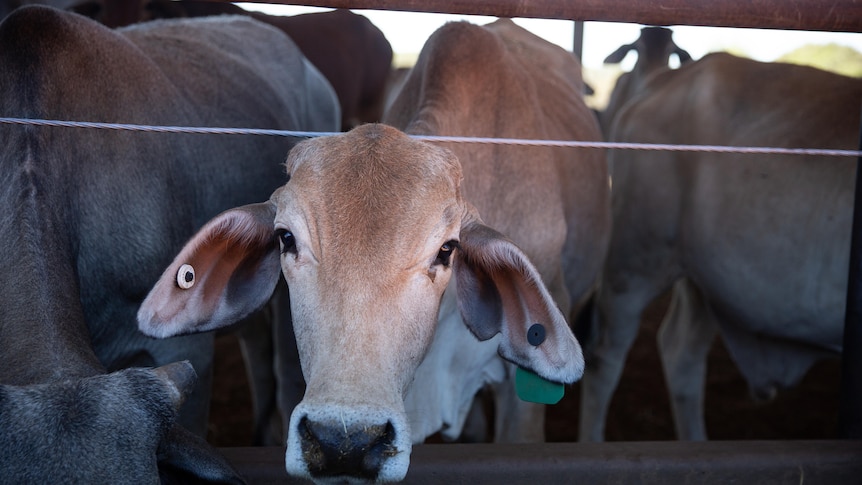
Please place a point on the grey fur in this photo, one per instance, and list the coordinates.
(88, 218)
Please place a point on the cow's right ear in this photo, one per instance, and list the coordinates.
(226, 271)
(618, 55)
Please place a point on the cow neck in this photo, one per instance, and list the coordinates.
(42, 329)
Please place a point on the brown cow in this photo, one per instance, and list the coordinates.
(755, 246)
(390, 267)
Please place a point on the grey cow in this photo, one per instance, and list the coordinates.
(91, 217)
(754, 246)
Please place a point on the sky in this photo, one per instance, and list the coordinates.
(407, 32)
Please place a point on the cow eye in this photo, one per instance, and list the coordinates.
(288, 242)
(445, 254)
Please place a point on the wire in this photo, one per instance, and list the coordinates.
(444, 139)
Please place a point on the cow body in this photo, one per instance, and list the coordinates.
(755, 246)
(350, 51)
(386, 256)
(553, 203)
(113, 206)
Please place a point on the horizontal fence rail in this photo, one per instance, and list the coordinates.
(823, 15)
(441, 139)
(643, 463)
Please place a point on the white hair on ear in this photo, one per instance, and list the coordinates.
(241, 228)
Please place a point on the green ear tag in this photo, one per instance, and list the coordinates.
(533, 388)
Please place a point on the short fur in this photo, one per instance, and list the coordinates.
(756, 247)
(89, 217)
(501, 81)
(368, 222)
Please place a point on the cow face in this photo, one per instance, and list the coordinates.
(369, 232)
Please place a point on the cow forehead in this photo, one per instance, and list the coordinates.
(372, 154)
(372, 182)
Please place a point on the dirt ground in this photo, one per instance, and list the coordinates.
(640, 410)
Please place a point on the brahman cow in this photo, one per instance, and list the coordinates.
(654, 48)
(112, 13)
(389, 265)
(114, 206)
(502, 81)
(757, 245)
(349, 50)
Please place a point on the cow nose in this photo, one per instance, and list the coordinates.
(334, 449)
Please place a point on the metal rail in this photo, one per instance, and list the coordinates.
(823, 15)
(666, 462)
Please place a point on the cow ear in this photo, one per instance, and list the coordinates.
(618, 55)
(184, 457)
(226, 271)
(683, 55)
(500, 291)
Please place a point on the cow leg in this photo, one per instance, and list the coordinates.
(620, 308)
(684, 339)
(516, 421)
(256, 344)
(476, 428)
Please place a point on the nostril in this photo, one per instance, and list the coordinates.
(334, 449)
(380, 449)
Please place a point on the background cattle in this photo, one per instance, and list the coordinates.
(756, 247)
(654, 48)
(91, 216)
(347, 48)
(350, 51)
(367, 267)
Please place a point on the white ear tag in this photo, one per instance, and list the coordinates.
(186, 276)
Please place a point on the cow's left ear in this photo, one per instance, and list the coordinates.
(500, 291)
(226, 271)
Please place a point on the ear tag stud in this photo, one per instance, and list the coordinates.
(536, 334)
(186, 276)
(531, 387)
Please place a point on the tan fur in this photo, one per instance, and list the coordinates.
(501, 81)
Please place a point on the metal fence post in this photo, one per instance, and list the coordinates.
(851, 358)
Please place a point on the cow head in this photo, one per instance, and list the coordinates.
(102, 428)
(369, 231)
